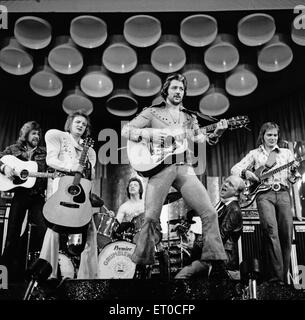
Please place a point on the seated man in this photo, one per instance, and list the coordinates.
(230, 225)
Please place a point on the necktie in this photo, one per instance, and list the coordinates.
(219, 207)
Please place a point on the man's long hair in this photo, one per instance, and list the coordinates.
(70, 119)
(174, 76)
(265, 127)
(25, 131)
(140, 185)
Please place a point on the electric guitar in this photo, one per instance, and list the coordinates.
(149, 158)
(25, 173)
(253, 189)
(69, 208)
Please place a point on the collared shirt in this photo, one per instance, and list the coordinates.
(259, 156)
(63, 152)
(160, 118)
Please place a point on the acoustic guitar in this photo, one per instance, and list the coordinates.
(69, 208)
(25, 173)
(149, 158)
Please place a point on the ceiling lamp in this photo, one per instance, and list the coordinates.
(142, 30)
(14, 58)
(197, 80)
(122, 103)
(214, 102)
(298, 34)
(241, 81)
(96, 82)
(168, 56)
(33, 32)
(76, 100)
(256, 29)
(65, 57)
(88, 31)
(198, 30)
(275, 55)
(145, 82)
(222, 55)
(46, 83)
(119, 56)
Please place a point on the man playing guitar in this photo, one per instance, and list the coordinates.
(155, 123)
(27, 147)
(64, 151)
(273, 205)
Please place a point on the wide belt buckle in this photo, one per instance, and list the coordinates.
(276, 187)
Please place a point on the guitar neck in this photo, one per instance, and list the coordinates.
(276, 170)
(41, 174)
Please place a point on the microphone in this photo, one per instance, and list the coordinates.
(39, 271)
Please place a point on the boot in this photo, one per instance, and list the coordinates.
(144, 253)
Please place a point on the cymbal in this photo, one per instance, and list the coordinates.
(172, 197)
(175, 221)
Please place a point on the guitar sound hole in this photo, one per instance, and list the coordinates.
(24, 174)
(74, 190)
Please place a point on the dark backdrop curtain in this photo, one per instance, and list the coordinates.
(288, 114)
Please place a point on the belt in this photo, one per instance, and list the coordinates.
(278, 187)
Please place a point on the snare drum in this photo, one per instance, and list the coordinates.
(105, 229)
(66, 267)
(114, 261)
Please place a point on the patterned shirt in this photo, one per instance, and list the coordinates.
(258, 157)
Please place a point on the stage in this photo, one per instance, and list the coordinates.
(152, 290)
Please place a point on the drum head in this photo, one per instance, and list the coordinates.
(114, 261)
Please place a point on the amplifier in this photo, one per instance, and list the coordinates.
(250, 244)
(4, 213)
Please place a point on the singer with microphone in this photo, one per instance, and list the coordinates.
(156, 124)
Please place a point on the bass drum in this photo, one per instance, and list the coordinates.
(114, 261)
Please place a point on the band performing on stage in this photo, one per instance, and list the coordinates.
(79, 237)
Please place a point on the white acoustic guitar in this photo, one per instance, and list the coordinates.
(25, 176)
(69, 208)
(149, 158)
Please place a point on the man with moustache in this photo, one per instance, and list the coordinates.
(156, 124)
(27, 147)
